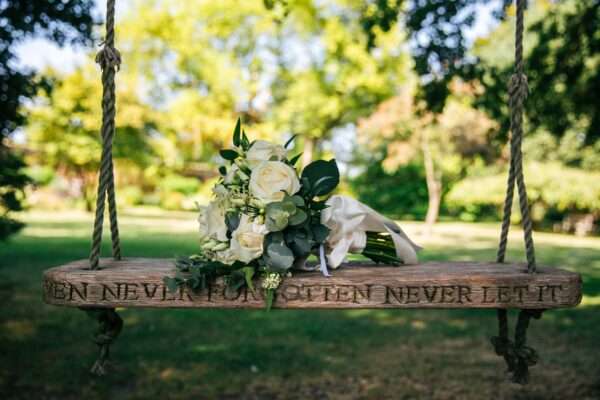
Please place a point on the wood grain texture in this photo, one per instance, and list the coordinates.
(138, 282)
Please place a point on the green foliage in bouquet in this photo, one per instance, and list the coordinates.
(265, 219)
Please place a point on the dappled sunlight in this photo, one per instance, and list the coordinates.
(214, 348)
(19, 330)
(589, 301)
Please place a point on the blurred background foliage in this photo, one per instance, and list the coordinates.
(415, 111)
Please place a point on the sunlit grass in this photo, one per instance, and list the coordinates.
(371, 354)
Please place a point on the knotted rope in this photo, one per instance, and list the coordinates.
(517, 355)
(109, 59)
(110, 325)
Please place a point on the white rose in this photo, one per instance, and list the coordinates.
(225, 256)
(212, 222)
(262, 150)
(270, 179)
(247, 240)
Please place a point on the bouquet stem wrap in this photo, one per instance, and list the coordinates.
(349, 220)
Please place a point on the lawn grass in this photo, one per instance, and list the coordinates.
(229, 354)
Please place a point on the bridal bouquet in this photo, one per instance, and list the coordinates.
(267, 218)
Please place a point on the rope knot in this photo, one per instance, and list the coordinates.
(108, 57)
(527, 355)
(518, 85)
(110, 325)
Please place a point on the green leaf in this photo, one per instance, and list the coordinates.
(301, 246)
(289, 141)
(318, 205)
(249, 274)
(288, 205)
(223, 170)
(279, 256)
(298, 218)
(269, 297)
(325, 185)
(320, 169)
(320, 232)
(298, 201)
(295, 159)
(245, 141)
(236, 133)
(324, 174)
(276, 222)
(171, 284)
(229, 154)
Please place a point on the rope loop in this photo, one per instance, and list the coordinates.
(518, 356)
(110, 325)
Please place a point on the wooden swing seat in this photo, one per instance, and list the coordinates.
(138, 282)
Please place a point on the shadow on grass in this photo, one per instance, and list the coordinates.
(229, 354)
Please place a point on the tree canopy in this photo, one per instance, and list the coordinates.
(67, 21)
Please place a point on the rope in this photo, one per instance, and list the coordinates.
(109, 60)
(110, 325)
(517, 355)
(518, 90)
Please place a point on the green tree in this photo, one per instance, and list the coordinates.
(60, 21)
(338, 73)
(63, 131)
(444, 144)
(562, 45)
(202, 63)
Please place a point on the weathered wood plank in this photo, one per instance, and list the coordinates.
(137, 282)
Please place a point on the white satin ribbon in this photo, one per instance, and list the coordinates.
(349, 220)
(323, 261)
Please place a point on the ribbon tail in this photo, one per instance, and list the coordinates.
(405, 249)
(323, 261)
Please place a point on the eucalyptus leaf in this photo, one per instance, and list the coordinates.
(320, 232)
(301, 247)
(276, 221)
(171, 284)
(298, 201)
(279, 256)
(298, 218)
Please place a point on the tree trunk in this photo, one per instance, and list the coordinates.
(434, 184)
(308, 150)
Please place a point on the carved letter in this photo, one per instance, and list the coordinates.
(431, 295)
(519, 290)
(503, 294)
(59, 290)
(106, 290)
(447, 294)
(485, 295)
(412, 291)
(366, 294)
(397, 294)
(82, 294)
(464, 292)
(150, 293)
